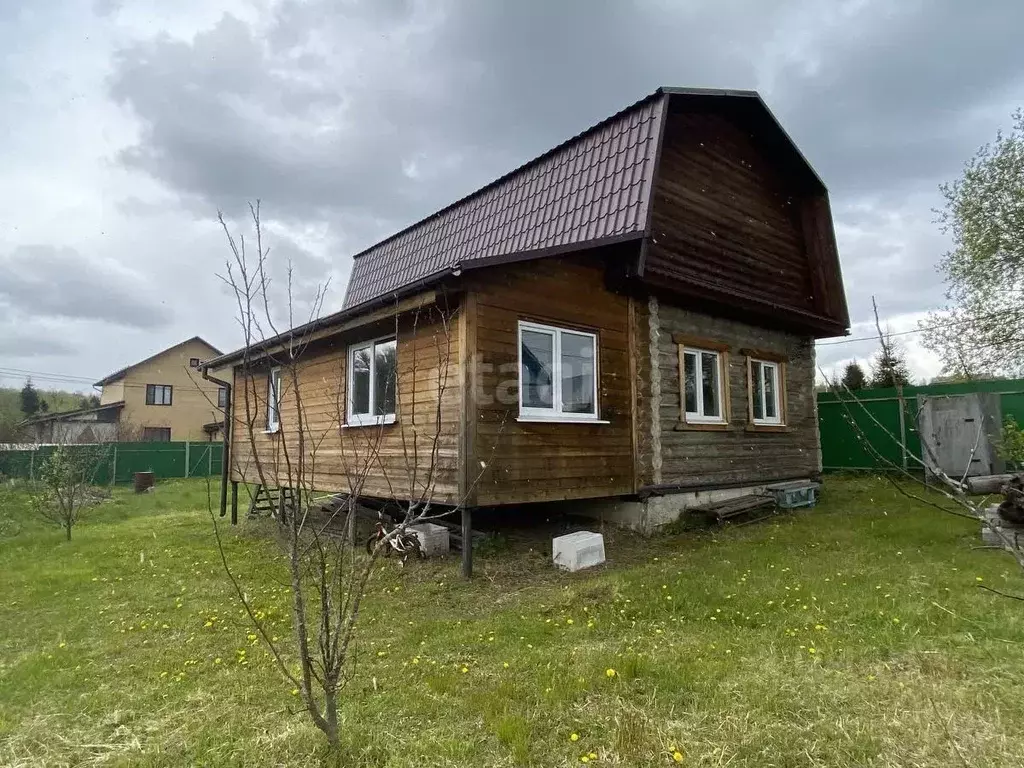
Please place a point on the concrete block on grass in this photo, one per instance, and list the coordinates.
(433, 539)
(575, 551)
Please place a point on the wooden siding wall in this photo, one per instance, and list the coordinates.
(528, 462)
(725, 218)
(736, 455)
(428, 376)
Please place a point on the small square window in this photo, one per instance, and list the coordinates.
(702, 385)
(193, 362)
(766, 392)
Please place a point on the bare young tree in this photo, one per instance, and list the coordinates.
(65, 478)
(291, 411)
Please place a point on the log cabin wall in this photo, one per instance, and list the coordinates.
(527, 462)
(736, 453)
(730, 221)
(399, 463)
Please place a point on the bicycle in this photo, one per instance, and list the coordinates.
(405, 543)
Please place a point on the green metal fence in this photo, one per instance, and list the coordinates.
(842, 449)
(118, 462)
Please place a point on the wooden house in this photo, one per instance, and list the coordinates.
(629, 317)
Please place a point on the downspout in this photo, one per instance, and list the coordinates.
(226, 452)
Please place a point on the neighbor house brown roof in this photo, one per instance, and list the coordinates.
(119, 374)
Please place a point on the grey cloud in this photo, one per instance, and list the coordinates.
(19, 341)
(323, 109)
(47, 281)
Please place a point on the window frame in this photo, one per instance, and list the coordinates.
(147, 434)
(555, 413)
(721, 354)
(274, 400)
(779, 366)
(222, 397)
(165, 389)
(194, 362)
(370, 419)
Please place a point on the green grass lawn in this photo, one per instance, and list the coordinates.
(851, 635)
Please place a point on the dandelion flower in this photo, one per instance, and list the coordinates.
(584, 759)
(569, 621)
(505, 665)
(592, 755)
(295, 691)
(677, 756)
(574, 737)
(610, 672)
(464, 670)
(978, 578)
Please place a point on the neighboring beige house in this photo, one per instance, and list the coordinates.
(161, 398)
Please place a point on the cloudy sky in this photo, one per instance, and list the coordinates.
(129, 123)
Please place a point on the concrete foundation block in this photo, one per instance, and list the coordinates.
(433, 539)
(575, 551)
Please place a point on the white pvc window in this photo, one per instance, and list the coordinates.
(372, 382)
(702, 386)
(557, 373)
(274, 400)
(765, 396)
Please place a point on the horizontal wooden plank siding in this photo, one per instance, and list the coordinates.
(736, 454)
(526, 462)
(725, 215)
(396, 459)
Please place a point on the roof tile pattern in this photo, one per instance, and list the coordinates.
(594, 186)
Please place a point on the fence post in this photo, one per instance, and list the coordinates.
(113, 469)
(186, 459)
(32, 466)
(903, 426)
(209, 459)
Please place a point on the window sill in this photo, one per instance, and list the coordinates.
(767, 428)
(702, 426)
(382, 421)
(558, 420)
(271, 431)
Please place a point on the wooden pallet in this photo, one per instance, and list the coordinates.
(729, 509)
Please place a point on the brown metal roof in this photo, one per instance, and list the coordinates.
(594, 187)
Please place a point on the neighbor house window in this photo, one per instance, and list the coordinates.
(702, 383)
(193, 362)
(557, 373)
(274, 400)
(766, 392)
(156, 434)
(222, 397)
(372, 382)
(159, 394)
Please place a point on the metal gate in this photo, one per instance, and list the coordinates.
(959, 433)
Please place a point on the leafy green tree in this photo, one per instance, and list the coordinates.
(1010, 444)
(29, 400)
(854, 377)
(982, 329)
(890, 368)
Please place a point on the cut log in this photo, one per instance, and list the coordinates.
(987, 483)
